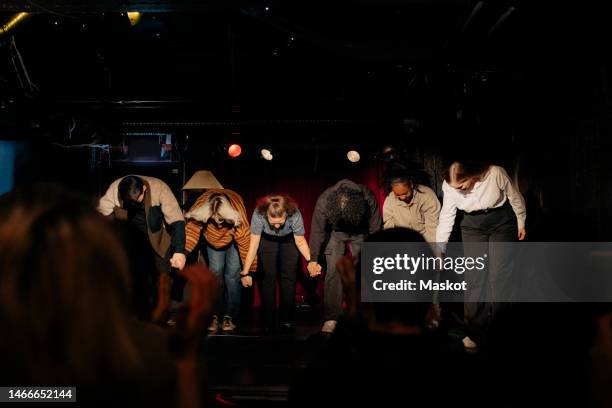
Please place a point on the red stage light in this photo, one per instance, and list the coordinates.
(234, 150)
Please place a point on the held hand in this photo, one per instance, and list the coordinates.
(247, 281)
(314, 269)
(178, 261)
(521, 234)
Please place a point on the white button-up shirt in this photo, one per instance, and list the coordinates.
(491, 191)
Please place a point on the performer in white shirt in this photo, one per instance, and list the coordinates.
(494, 211)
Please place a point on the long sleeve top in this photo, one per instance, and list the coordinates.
(420, 214)
(492, 191)
(321, 227)
(219, 237)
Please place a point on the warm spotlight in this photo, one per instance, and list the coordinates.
(266, 154)
(353, 156)
(234, 150)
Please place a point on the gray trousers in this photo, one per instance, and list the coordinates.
(335, 250)
(479, 233)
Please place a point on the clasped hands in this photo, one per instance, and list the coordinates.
(178, 260)
(314, 269)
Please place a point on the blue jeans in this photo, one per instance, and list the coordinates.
(225, 264)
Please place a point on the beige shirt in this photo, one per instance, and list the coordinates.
(160, 193)
(421, 214)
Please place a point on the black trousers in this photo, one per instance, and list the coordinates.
(146, 266)
(278, 257)
(479, 233)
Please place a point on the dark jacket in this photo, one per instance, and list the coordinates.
(322, 227)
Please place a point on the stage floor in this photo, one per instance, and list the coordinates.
(252, 369)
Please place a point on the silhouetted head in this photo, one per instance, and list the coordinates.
(402, 313)
(64, 288)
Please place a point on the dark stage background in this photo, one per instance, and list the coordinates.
(87, 96)
(521, 84)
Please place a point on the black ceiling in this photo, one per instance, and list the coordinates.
(224, 61)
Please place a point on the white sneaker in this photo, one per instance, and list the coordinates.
(469, 343)
(228, 326)
(329, 326)
(214, 325)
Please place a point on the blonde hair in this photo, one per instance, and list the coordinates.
(458, 172)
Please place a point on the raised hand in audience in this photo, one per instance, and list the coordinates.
(160, 312)
(187, 334)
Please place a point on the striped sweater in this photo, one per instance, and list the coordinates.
(219, 237)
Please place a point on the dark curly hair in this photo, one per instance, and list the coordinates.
(399, 172)
(347, 206)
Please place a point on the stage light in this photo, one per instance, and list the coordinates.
(234, 150)
(6, 27)
(353, 156)
(134, 17)
(266, 154)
